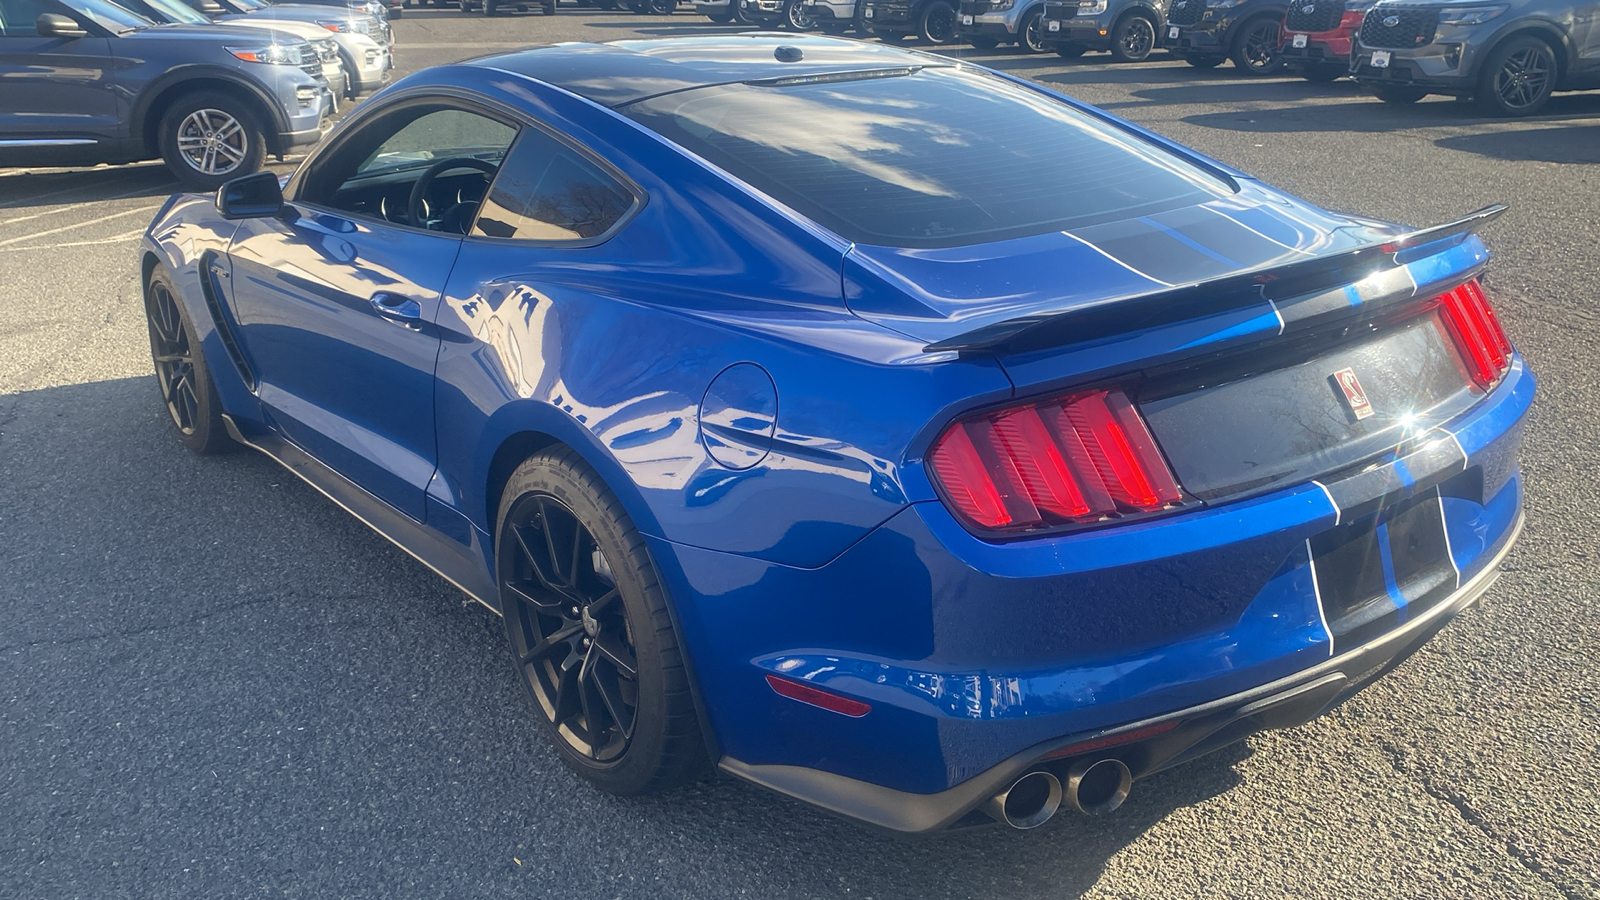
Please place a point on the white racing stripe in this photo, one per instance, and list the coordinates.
(1317, 589)
(39, 234)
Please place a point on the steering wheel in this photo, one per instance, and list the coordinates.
(420, 190)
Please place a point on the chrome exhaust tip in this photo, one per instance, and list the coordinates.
(1096, 786)
(1029, 802)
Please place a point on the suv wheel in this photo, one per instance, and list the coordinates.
(797, 17)
(208, 138)
(1255, 50)
(1030, 34)
(1133, 39)
(937, 24)
(1518, 78)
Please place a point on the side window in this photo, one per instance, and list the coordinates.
(374, 169)
(17, 17)
(546, 191)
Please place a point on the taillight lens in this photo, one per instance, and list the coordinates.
(1477, 333)
(1069, 460)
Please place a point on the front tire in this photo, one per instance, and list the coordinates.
(590, 632)
(1255, 50)
(1030, 34)
(1203, 62)
(1133, 39)
(208, 138)
(1518, 78)
(181, 372)
(937, 24)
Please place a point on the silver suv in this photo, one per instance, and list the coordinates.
(1509, 56)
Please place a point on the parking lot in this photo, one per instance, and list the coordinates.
(213, 682)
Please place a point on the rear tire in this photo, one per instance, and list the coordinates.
(1255, 50)
(937, 24)
(208, 138)
(588, 615)
(181, 372)
(1133, 39)
(1399, 94)
(1518, 78)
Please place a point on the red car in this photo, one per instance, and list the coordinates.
(1317, 36)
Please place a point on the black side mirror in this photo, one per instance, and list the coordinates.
(251, 197)
(53, 25)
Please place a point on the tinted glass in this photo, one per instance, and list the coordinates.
(548, 192)
(172, 11)
(941, 157)
(17, 17)
(109, 15)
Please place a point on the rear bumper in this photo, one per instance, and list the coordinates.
(1179, 736)
(978, 658)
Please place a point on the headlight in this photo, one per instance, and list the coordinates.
(1001, 5)
(1091, 7)
(334, 24)
(1476, 15)
(274, 54)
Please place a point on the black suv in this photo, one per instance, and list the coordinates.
(1130, 29)
(1508, 56)
(88, 82)
(1206, 32)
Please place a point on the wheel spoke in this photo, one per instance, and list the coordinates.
(607, 645)
(611, 698)
(591, 718)
(548, 645)
(566, 703)
(598, 605)
(543, 605)
(544, 578)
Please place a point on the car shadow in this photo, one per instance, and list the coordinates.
(24, 188)
(266, 672)
(1576, 143)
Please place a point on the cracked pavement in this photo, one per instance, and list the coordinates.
(213, 682)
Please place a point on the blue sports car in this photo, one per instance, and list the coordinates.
(893, 433)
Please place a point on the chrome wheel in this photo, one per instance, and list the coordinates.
(569, 628)
(213, 142)
(174, 358)
(799, 18)
(1523, 80)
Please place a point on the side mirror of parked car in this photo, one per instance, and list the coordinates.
(53, 25)
(251, 197)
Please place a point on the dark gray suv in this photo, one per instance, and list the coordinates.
(1509, 55)
(86, 81)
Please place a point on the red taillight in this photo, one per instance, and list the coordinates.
(1477, 333)
(1076, 459)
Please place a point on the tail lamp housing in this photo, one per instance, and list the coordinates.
(1473, 326)
(1061, 461)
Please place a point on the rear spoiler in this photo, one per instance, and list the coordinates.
(1272, 283)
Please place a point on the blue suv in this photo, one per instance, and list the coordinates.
(90, 82)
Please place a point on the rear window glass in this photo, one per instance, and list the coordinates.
(938, 158)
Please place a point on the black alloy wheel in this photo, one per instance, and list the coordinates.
(589, 631)
(1133, 39)
(1030, 34)
(181, 373)
(661, 7)
(937, 24)
(1518, 78)
(797, 17)
(1256, 48)
(569, 629)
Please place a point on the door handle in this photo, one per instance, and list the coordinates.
(400, 310)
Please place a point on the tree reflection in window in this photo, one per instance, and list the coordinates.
(545, 192)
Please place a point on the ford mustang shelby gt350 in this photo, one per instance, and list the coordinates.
(901, 436)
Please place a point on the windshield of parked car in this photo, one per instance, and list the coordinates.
(109, 15)
(931, 157)
(177, 11)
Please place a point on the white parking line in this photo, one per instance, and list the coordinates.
(115, 238)
(39, 234)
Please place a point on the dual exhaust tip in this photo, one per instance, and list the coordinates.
(1093, 786)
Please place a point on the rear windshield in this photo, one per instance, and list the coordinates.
(940, 157)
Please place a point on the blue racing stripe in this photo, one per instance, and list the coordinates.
(1406, 478)
(1191, 242)
(1389, 583)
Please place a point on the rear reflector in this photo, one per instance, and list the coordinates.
(1074, 459)
(1115, 740)
(818, 697)
(1477, 333)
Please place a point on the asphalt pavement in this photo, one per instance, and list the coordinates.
(214, 683)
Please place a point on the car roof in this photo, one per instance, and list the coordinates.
(620, 72)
